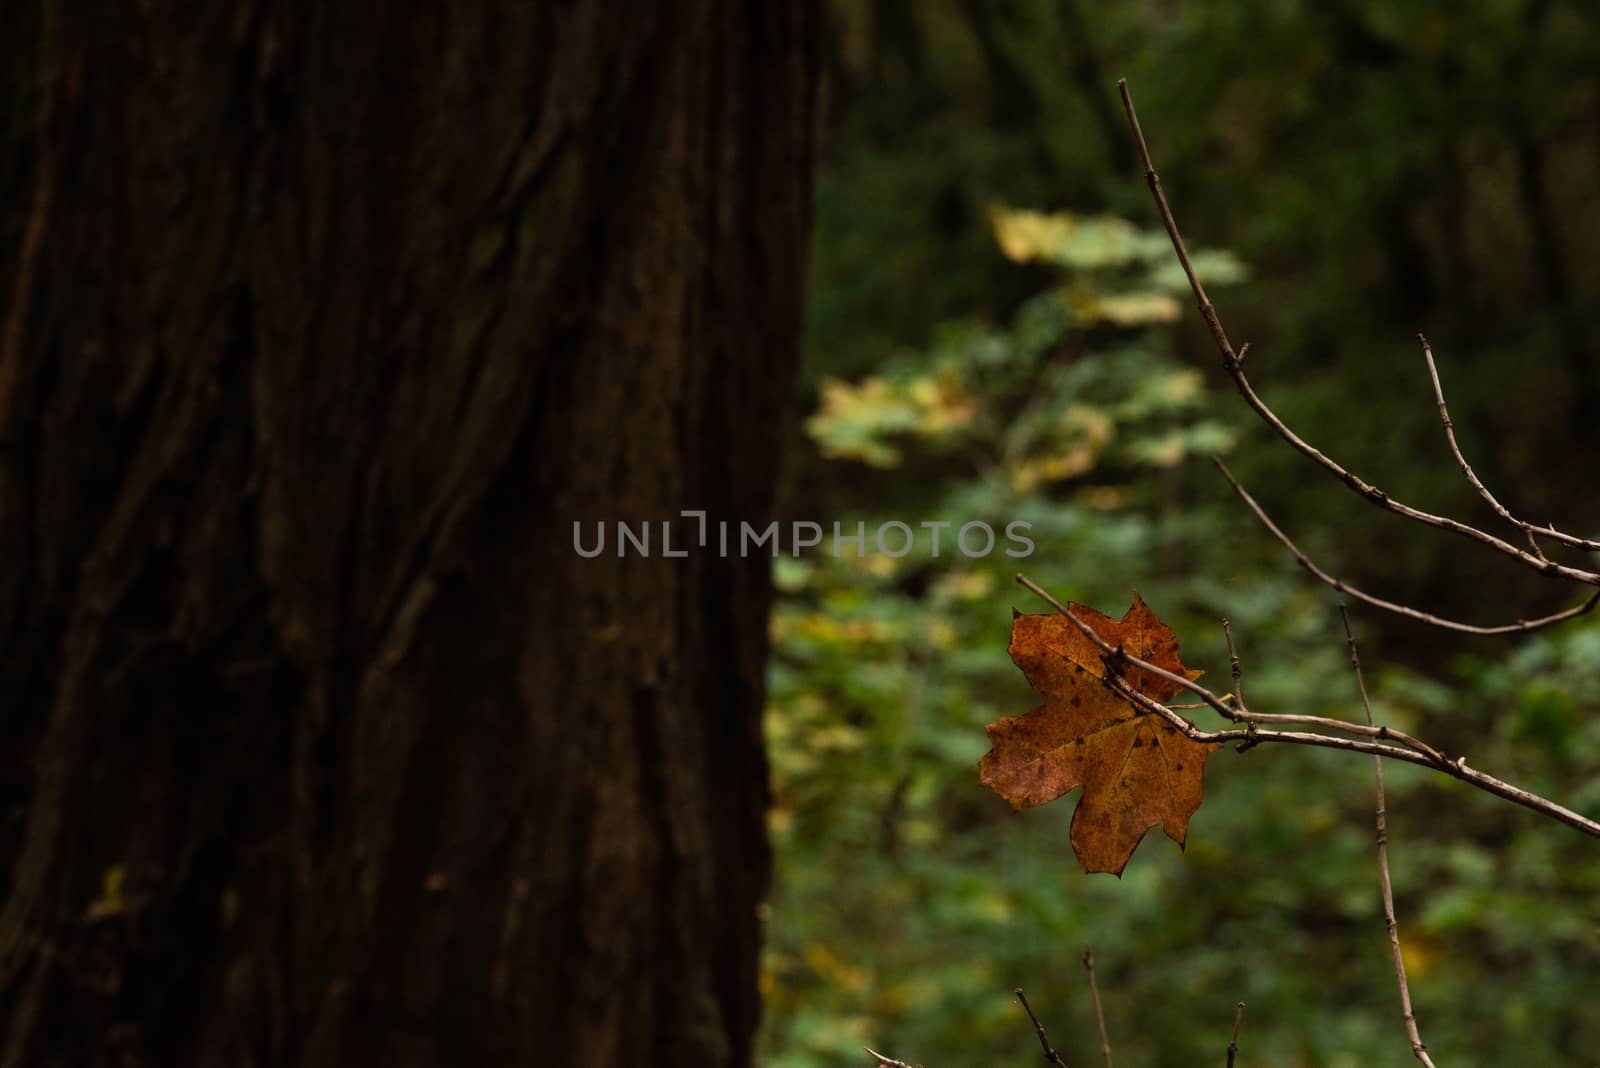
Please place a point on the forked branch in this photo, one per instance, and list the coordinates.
(1232, 363)
(1519, 627)
(1533, 530)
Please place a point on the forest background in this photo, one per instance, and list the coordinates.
(998, 331)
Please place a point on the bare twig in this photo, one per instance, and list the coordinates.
(1533, 543)
(1527, 528)
(1219, 335)
(888, 1062)
(1233, 1043)
(1410, 1017)
(1232, 365)
(1099, 1014)
(1233, 657)
(1253, 735)
(1050, 1054)
(1520, 626)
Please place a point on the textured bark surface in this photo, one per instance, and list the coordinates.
(322, 325)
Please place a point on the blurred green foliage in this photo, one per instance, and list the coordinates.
(1381, 168)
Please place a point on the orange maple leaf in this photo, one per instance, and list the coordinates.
(1137, 770)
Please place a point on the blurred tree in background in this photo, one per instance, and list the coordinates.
(1377, 170)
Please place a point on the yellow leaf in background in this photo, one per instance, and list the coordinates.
(993, 907)
(778, 628)
(1088, 429)
(1131, 309)
(1025, 475)
(1318, 817)
(1080, 242)
(966, 585)
(874, 563)
(1091, 424)
(827, 628)
(828, 966)
(1028, 235)
(1105, 498)
(1419, 953)
(941, 635)
(863, 421)
(944, 404)
(110, 901)
(810, 707)
(1029, 474)
(766, 983)
(852, 419)
(1167, 452)
(841, 737)
(1181, 387)
(898, 997)
(841, 398)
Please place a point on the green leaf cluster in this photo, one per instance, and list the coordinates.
(1382, 168)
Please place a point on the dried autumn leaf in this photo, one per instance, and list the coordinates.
(1137, 770)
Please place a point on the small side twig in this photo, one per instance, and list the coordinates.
(1529, 529)
(1233, 1043)
(1233, 657)
(1099, 1014)
(888, 1062)
(1050, 1054)
(1410, 1017)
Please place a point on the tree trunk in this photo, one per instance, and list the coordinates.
(323, 325)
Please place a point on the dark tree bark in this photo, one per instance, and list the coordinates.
(323, 324)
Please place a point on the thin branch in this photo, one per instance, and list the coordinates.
(1519, 627)
(1410, 1017)
(1231, 365)
(1252, 734)
(1219, 335)
(1533, 543)
(1527, 528)
(888, 1062)
(1050, 1054)
(1233, 657)
(1457, 769)
(1233, 1043)
(1099, 1015)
